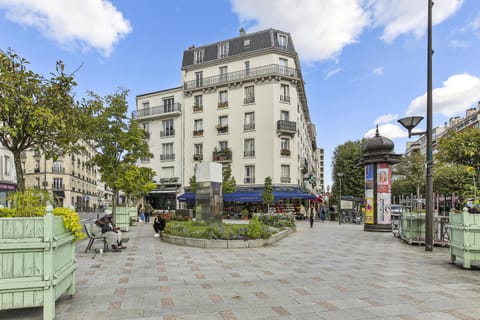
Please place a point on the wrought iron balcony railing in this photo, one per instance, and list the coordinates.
(157, 111)
(287, 127)
(268, 70)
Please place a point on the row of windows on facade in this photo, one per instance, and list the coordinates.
(249, 173)
(168, 128)
(169, 103)
(223, 48)
(59, 185)
(248, 149)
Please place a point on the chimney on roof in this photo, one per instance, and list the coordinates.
(191, 47)
(242, 32)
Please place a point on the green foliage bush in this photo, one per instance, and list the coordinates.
(278, 220)
(199, 230)
(32, 203)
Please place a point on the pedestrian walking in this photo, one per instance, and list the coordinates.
(312, 216)
(148, 211)
(322, 213)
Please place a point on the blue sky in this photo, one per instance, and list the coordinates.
(363, 61)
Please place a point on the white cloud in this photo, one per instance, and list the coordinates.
(459, 44)
(87, 24)
(385, 118)
(475, 24)
(389, 130)
(458, 93)
(320, 29)
(332, 73)
(399, 17)
(378, 71)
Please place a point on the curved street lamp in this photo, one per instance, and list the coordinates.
(340, 216)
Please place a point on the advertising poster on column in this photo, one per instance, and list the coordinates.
(384, 175)
(369, 207)
(383, 208)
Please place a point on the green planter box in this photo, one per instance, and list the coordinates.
(412, 228)
(123, 215)
(37, 263)
(464, 237)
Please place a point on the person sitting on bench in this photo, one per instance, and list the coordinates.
(107, 228)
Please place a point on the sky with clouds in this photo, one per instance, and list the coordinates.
(363, 61)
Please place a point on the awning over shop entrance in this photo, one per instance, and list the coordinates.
(292, 195)
(251, 196)
(187, 197)
(239, 196)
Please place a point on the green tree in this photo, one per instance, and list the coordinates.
(136, 181)
(267, 193)
(452, 178)
(119, 141)
(37, 112)
(410, 171)
(228, 181)
(461, 147)
(344, 158)
(193, 184)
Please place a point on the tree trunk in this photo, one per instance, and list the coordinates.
(19, 171)
(114, 205)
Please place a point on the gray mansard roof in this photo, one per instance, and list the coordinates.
(258, 41)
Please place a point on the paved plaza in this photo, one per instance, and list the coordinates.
(328, 272)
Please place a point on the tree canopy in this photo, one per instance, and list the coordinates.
(267, 193)
(119, 141)
(344, 158)
(37, 112)
(228, 181)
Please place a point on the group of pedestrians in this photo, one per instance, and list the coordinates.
(321, 213)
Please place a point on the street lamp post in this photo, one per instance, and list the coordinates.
(340, 216)
(410, 122)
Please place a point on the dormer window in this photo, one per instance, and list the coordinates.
(199, 54)
(282, 41)
(223, 50)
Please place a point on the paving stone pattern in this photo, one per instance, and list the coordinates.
(328, 272)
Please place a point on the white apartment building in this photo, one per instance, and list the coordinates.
(8, 176)
(242, 104)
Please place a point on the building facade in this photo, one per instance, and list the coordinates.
(69, 179)
(8, 176)
(242, 104)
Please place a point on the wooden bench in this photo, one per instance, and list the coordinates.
(92, 238)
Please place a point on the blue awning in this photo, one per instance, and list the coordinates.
(239, 196)
(187, 197)
(292, 195)
(252, 196)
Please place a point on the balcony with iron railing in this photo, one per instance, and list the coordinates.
(197, 108)
(222, 156)
(286, 127)
(249, 180)
(167, 156)
(170, 180)
(198, 133)
(249, 126)
(198, 157)
(249, 100)
(285, 152)
(158, 111)
(263, 71)
(222, 128)
(58, 170)
(167, 133)
(58, 187)
(222, 105)
(285, 179)
(285, 99)
(249, 153)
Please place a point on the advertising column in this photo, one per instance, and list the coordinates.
(369, 197)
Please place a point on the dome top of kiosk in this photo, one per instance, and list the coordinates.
(378, 144)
